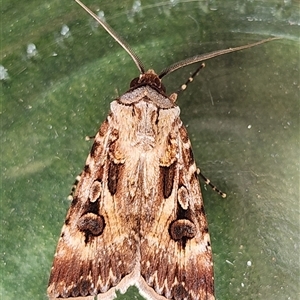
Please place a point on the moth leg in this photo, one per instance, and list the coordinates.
(207, 181)
(77, 179)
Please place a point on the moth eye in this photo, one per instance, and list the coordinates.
(181, 229)
(91, 224)
(134, 82)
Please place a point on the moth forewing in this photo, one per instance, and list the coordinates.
(137, 215)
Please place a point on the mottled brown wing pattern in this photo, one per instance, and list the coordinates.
(176, 257)
(137, 215)
(94, 252)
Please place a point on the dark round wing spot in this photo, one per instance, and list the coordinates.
(183, 228)
(91, 224)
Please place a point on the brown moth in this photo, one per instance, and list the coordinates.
(137, 215)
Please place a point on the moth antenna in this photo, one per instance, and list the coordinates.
(116, 37)
(206, 56)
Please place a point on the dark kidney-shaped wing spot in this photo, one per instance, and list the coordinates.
(91, 224)
(182, 229)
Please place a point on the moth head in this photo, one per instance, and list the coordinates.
(149, 78)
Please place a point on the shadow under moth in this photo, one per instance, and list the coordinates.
(137, 215)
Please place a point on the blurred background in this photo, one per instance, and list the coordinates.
(59, 71)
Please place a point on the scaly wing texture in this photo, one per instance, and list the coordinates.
(176, 257)
(137, 216)
(95, 251)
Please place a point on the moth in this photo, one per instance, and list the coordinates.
(137, 215)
